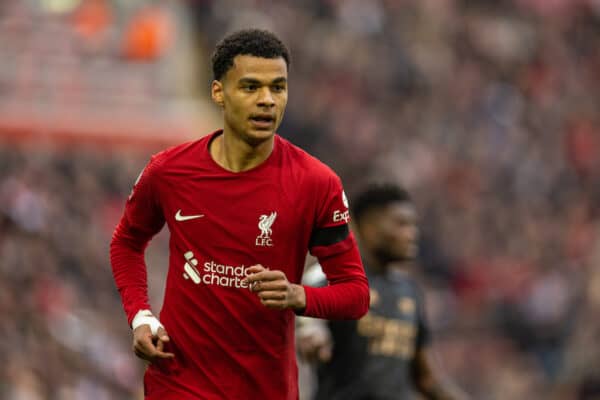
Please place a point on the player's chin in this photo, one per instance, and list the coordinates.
(258, 136)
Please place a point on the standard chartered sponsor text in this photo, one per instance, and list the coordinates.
(224, 275)
(214, 273)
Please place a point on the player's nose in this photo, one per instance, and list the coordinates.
(265, 98)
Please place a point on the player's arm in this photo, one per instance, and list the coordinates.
(346, 295)
(429, 382)
(141, 220)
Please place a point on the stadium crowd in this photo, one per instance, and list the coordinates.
(486, 111)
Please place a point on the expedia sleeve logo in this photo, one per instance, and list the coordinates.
(339, 215)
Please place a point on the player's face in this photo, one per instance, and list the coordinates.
(397, 232)
(253, 94)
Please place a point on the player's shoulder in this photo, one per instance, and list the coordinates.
(306, 164)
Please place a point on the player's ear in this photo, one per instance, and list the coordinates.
(216, 92)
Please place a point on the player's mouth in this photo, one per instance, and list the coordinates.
(262, 121)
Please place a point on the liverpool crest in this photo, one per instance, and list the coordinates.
(264, 224)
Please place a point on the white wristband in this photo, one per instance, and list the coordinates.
(145, 317)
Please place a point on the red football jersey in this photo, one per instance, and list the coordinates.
(228, 345)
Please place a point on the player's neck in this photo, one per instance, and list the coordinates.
(236, 155)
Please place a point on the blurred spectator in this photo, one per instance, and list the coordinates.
(92, 19)
(148, 35)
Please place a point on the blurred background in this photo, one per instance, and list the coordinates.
(487, 111)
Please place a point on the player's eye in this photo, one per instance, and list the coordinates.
(278, 88)
(250, 88)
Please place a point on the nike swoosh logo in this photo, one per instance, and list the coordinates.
(179, 217)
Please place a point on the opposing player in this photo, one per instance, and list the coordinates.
(385, 355)
(243, 206)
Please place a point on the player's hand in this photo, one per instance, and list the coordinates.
(150, 347)
(314, 343)
(274, 290)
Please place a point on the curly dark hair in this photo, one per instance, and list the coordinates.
(251, 42)
(376, 196)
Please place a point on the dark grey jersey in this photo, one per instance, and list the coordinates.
(372, 357)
